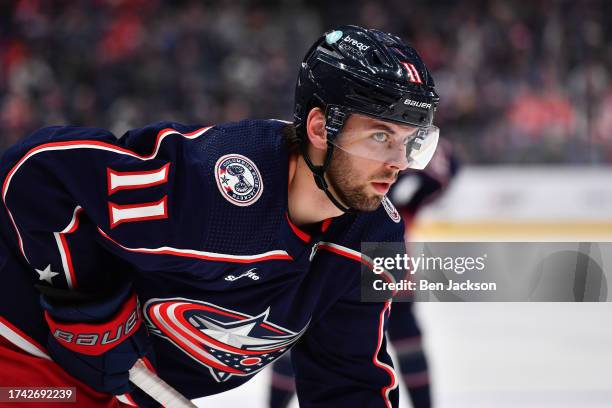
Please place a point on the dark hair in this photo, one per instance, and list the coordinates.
(292, 141)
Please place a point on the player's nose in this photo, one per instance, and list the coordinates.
(398, 160)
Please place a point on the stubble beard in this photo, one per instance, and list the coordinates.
(353, 195)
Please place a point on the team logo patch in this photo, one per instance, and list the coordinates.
(227, 342)
(238, 179)
(391, 210)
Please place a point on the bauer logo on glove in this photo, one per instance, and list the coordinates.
(95, 339)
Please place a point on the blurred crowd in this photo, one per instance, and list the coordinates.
(526, 81)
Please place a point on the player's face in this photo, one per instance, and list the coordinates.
(358, 181)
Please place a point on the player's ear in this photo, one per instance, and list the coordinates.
(315, 128)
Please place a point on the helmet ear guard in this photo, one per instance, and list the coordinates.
(335, 116)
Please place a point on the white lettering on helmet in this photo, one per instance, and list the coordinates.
(417, 104)
(361, 46)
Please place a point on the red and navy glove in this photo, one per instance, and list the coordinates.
(97, 341)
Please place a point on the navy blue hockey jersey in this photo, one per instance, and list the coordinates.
(197, 218)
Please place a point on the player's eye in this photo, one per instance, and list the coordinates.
(380, 137)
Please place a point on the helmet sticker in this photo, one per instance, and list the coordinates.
(413, 74)
(359, 45)
(333, 37)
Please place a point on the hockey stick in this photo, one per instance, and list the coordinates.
(157, 388)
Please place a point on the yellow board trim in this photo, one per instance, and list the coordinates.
(524, 230)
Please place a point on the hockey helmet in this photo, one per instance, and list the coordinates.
(356, 70)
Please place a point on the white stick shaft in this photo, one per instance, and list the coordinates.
(157, 388)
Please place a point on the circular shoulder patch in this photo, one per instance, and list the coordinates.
(238, 179)
(391, 210)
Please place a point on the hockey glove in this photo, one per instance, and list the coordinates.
(98, 341)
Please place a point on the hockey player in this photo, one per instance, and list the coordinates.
(412, 191)
(211, 251)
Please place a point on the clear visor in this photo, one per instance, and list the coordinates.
(413, 149)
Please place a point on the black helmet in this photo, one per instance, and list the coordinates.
(357, 70)
(354, 69)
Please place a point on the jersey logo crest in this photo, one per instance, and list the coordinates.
(391, 210)
(238, 179)
(227, 342)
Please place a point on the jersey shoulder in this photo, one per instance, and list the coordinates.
(242, 188)
(228, 183)
(247, 159)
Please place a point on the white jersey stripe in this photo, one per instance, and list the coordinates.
(9, 332)
(64, 255)
(209, 256)
(123, 398)
(356, 256)
(62, 252)
(394, 383)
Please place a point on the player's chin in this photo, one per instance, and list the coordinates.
(371, 203)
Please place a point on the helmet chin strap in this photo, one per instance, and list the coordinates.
(318, 173)
(334, 121)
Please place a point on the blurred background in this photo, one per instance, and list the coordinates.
(521, 82)
(526, 105)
